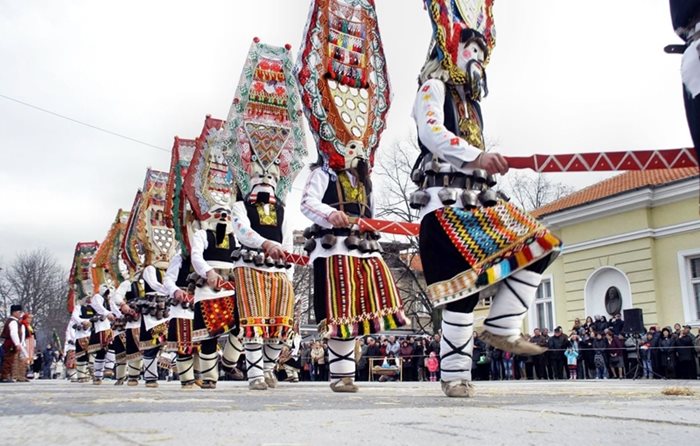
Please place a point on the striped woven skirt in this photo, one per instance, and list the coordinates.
(180, 336)
(466, 251)
(355, 296)
(265, 302)
(99, 340)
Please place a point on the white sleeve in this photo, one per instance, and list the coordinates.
(430, 119)
(151, 277)
(242, 230)
(171, 275)
(311, 202)
(75, 316)
(198, 243)
(16, 339)
(97, 304)
(120, 293)
(288, 245)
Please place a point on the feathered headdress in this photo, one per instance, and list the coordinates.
(175, 201)
(209, 182)
(105, 264)
(449, 19)
(343, 77)
(265, 122)
(80, 279)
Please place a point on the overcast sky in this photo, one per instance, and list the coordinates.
(566, 75)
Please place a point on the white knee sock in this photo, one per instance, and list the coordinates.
(197, 365)
(456, 346)
(254, 359)
(341, 358)
(82, 370)
(185, 368)
(99, 369)
(135, 367)
(71, 374)
(510, 304)
(120, 370)
(210, 366)
(150, 373)
(109, 360)
(271, 352)
(232, 351)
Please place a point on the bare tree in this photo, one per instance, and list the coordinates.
(36, 281)
(393, 203)
(533, 190)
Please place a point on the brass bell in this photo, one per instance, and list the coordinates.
(166, 313)
(491, 180)
(374, 246)
(417, 176)
(310, 245)
(247, 256)
(236, 254)
(470, 199)
(328, 241)
(365, 246)
(279, 263)
(488, 198)
(309, 232)
(259, 259)
(448, 196)
(503, 196)
(419, 199)
(287, 265)
(269, 261)
(159, 314)
(352, 242)
(478, 179)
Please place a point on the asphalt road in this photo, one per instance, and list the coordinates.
(516, 412)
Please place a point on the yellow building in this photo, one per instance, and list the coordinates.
(632, 241)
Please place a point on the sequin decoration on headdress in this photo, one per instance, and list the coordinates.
(449, 18)
(176, 205)
(80, 280)
(265, 122)
(149, 240)
(105, 264)
(344, 81)
(209, 182)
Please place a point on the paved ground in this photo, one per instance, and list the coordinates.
(522, 413)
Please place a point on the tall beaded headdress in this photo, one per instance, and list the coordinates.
(265, 122)
(80, 279)
(344, 81)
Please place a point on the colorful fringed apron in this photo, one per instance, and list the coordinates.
(357, 295)
(265, 304)
(491, 242)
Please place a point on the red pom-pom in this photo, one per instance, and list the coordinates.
(288, 47)
(256, 39)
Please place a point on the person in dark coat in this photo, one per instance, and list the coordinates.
(686, 368)
(540, 361)
(557, 345)
(667, 351)
(617, 325)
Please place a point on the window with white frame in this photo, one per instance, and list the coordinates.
(543, 306)
(694, 284)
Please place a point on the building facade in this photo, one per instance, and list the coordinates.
(630, 242)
